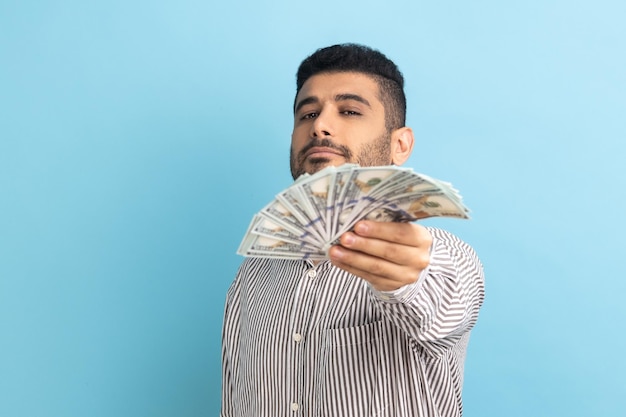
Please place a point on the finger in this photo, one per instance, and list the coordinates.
(410, 234)
(398, 253)
(382, 274)
(381, 249)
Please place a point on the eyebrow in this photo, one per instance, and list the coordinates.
(355, 97)
(305, 101)
(338, 97)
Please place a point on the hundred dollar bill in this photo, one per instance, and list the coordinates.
(265, 225)
(360, 182)
(406, 184)
(284, 214)
(314, 192)
(305, 219)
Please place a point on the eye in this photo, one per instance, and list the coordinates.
(311, 115)
(350, 113)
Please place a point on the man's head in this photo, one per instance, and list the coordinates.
(361, 59)
(349, 107)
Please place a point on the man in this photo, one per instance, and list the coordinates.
(380, 329)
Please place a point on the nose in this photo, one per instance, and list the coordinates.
(322, 126)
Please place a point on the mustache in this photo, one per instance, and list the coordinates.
(325, 143)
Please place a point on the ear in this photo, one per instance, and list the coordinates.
(402, 141)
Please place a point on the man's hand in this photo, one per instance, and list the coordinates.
(388, 255)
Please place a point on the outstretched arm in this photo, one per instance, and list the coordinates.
(387, 255)
(425, 280)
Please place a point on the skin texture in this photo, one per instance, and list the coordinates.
(340, 118)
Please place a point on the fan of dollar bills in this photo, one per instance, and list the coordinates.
(306, 219)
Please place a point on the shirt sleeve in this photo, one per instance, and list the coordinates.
(230, 331)
(443, 304)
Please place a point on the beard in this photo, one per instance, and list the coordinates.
(375, 153)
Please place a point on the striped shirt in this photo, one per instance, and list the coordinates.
(315, 341)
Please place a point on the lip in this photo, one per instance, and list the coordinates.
(322, 152)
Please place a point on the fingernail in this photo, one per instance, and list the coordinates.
(335, 252)
(361, 227)
(348, 239)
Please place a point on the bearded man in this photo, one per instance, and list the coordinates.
(382, 327)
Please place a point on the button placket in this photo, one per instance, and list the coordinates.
(299, 322)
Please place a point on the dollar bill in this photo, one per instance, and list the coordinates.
(306, 219)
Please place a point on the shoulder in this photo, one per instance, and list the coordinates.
(449, 249)
(255, 266)
(256, 270)
(444, 238)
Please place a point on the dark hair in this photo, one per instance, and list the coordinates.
(349, 57)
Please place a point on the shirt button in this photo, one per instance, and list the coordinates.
(297, 337)
(312, 273)
(295, 407)
(384, 297)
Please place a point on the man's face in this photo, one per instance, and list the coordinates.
(338, 119)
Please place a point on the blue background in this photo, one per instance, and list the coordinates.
(138, 138)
